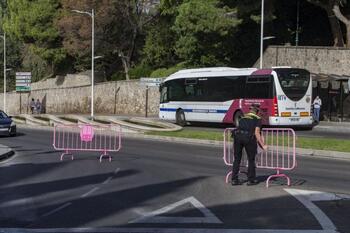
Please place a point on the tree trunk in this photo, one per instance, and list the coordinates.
(344, 20)
(335, 27)
(348, 35)
(333, 20)
(126, 64)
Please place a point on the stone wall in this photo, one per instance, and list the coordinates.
(319, 60)
(121, 98)
(70, 80)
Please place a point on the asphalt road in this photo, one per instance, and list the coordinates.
(153, 186)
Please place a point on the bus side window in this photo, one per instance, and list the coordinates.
(259, 87)
(164, 94)
(189, 90)
(176, 90)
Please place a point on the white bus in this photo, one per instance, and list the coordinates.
(224, 94)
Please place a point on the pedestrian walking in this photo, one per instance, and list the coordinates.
(247, 136)
(32, 106)
(38, 106)
(317, 108)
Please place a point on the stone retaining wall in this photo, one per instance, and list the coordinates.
(122, 97)
(318, 60)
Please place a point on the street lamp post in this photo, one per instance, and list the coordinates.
(4, 38)
(92, 15)
(262, 34)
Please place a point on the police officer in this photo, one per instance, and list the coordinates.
(247, 135)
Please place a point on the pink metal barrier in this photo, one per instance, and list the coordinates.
(86, 137)
(280, 155)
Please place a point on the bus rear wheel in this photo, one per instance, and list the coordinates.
(180, 118)
(238, 115)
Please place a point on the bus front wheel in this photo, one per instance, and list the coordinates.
(238, 115)
(180, 118)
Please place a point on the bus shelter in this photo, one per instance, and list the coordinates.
(334, 93)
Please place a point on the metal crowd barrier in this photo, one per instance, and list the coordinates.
(88, 138)
(280, 155)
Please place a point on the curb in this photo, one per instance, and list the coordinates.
(299, 151)
(133, 124)
(5, 152)
(325, 128)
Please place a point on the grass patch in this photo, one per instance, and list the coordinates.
(102, 122)
(20, 118)
(324, 144)
(144, 124)
(69, 119)
(301, 142)
(41, 118)
(217, 136)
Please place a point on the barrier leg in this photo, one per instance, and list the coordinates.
(228, 177)
(66, 153)
(277, 175)
(105, 154)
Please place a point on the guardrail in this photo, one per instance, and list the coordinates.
(280, 155)
(87, 138)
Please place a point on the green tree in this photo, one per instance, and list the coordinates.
(119, 28)
(204, 31)
(332, 9)
(13, 49)
(32, 23)
(191, 32)
(159, 48)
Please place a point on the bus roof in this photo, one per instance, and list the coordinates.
(210, 72)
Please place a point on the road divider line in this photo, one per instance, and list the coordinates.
(56, 210)
(90, 192)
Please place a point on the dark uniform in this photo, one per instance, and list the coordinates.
(244, 137)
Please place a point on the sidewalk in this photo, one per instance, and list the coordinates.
(331, 126)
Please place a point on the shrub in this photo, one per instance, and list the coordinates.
(139, 71)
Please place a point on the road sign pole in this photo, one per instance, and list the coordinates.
(4, 38)
(20, 103)
(146, 109)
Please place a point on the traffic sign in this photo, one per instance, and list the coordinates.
(23, 81)
(151, 82)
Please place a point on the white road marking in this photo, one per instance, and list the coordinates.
(323, 196)
(152, 217)
(158, 230)
(108, 179)
(116, 170)
(97, 188)
(14, 203)
(56, 210)
(304, 197)
(90, 192)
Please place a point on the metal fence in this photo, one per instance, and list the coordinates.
(280, 155)
(86, 137)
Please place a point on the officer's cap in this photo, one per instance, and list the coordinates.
(255, 108)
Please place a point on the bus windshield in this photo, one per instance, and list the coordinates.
(294, 82)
